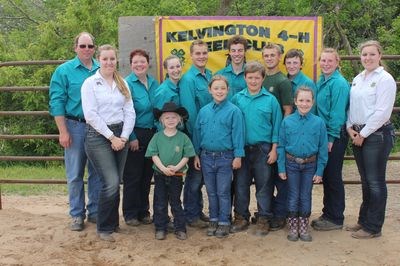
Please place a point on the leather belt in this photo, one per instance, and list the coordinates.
(301, 160)
(82, 120)
(358, 128)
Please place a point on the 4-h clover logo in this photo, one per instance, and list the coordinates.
(179, 53)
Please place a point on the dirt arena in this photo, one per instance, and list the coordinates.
(34, 231)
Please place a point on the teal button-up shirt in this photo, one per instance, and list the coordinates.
(193, 93)
(166, 92)
(65, 87)
(302, 137)
(236, 81)
(143, 99)
(262, 115)
(219, 127)
(302, 80)
(332, 102)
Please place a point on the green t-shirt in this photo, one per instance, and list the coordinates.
(171, 150)
(281, 87)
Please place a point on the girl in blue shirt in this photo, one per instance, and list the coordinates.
(302, 156)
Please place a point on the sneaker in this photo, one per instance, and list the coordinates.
(354, 227)
(212, 228)
(146, 220)
(106, 237)
(262, 227)
(161, 235)
(181, 235)
(362, 234)
(76, 224)
(222, 231)
(276, 224)
(198, 224)
(132, 222)
(322, 224)
(240, 224)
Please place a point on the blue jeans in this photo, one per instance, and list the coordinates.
(75, 161)
(279, 201)
(371, 159)
(137, 178)
(168, 189)
(217, 171)
(254, 165)
(300, 184)
(192, 195)
(334, 202)
(109, 165)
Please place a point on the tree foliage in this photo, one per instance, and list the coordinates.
(44, 29)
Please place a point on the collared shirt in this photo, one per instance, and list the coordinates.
(166, 92)
(332, 102)
(262, 115)
(65, 87)
(303, 137)
(143, 99)
(193, 93)
(219, 127)
(236, 81)
(104, 105)
(281, 87)
(302, 80)
(371, 100)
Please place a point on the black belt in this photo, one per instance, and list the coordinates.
(216, 153)
(82, 120)
(358, 128)
(254, 146)
(301, 160)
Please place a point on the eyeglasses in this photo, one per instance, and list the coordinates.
(83, 46)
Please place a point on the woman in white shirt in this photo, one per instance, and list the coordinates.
(110, 117)
(372, 97)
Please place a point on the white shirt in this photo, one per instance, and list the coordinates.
(104, 105)
(371, 100)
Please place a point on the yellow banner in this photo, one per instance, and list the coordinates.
(175, 34)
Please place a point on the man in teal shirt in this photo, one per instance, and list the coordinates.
(193, 95)
(65, 106)
(234, 72)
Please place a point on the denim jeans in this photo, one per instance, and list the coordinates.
(254, 165)
(109, 165)
(192, 195)
(371, 159)
(137, 178)
(334, 202)
(168, 189)
(279, 201)
(300, 184)
(217, 172)
(75, 161)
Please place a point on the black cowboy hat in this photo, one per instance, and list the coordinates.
(171, 107)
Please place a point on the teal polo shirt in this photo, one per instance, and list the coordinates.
(332, 102)
(143, 99)
(65, 87)
(262, 116)
(302, 137)
(219, 127)
(193, 93)
(236, 81)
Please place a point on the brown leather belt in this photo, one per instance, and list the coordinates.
(301, 160)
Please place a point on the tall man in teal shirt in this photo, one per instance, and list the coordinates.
(234, 72)
(262, 117)
(65, 106)
(279, 85)
(193, 95)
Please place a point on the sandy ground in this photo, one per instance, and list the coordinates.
(34, 231)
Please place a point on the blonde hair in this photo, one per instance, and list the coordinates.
(333, 51)
(372, 43)
(218, 77)
(117, 77)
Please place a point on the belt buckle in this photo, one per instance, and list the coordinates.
(299, 160)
